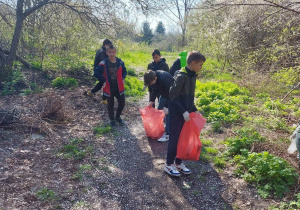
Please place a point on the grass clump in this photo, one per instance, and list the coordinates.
(46, 194)
(76, 150)
(62, 82)
(102, 129)
(295, 204)
(268, 172)
(134, 87)
(243, 141)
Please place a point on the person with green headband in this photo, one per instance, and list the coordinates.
(179, 63)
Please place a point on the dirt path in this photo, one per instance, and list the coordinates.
(126, 168)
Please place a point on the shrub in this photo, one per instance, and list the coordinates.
(131, 72)
(243, 141)
(268, 172)
(221, 102)
(61, 82)
(134, 87)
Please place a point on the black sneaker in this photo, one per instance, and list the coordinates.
(113, 123)
(119, 120)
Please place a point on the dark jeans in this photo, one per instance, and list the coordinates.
(111, 101)
(161, 105)
(176, 124)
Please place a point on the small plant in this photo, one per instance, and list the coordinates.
(75, 149)
(268, 172)
(295, 204)
(61, 82)
(10, 84)
(131, 72)
(244, 140)
(219, 162)
(103, 129)
(78, 176)
(134, 87)
(85, 167)
(45, 194)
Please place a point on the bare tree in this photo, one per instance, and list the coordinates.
(89, 10)
(179, 11)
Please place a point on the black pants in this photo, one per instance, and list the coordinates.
(111, 101)
(176, 124)
(98, 86)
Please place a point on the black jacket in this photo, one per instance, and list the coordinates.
(100, 56)
(161, 65)
(182, 93)
(175, 67)
(162, 86)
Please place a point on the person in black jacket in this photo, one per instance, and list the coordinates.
(158, 63)
(179, 63)
(100, 56)
(160, 82)
(181, 105)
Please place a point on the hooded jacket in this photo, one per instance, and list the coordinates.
(161, 65)
(182, 92)
(102, 73)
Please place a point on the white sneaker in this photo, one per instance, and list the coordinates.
(171, 170)
(183, 169)
(164, 138)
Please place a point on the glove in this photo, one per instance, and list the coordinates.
(186, 116)
(150, 104)
(166, 110)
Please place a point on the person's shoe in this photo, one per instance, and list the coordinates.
(183, 169)
(167, 136)
(113, 123)
(89, 93)
(164, 138)
(119, 120)
(171, 170)
(104, 102)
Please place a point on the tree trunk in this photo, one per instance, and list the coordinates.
(16, 38)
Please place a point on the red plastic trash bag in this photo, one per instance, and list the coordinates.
(153, 120)
(189, 144)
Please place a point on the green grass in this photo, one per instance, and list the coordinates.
(62, 82)
(76, 149)
(102, 129)
(134, 87)
(45, 194)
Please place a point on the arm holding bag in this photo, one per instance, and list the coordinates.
(189, 144)
(153, 120)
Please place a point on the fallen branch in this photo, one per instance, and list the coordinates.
(290, 91)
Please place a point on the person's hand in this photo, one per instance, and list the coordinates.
(197, 112)
(166, 110)
(150, 104)
(186, 116)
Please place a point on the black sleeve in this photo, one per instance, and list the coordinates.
(194, 108)
(175, 91)
(97, 60)
(166, 68)
(176, 66)
(154, 93)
